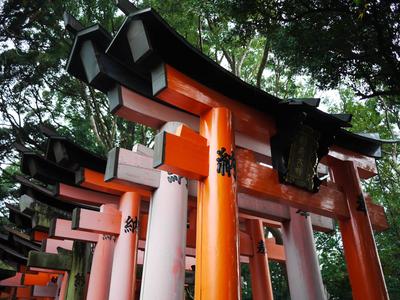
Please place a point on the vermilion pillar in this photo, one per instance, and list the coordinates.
(217, 244)
(261, 286)
(304, 275)
(123, 279)
(100, 273)
(363, 264)
(164, 263)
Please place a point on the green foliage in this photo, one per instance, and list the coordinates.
(245, 282)
(333, 41)
(333, 266)
(279, 280)
(8, 189)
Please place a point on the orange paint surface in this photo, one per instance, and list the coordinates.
(73, 193)
(377, 216)
(187, 94)
(62, 229)
(366, 166)
(24, 292)
(38, 279)
(261, 285)
(39, 236)
(182, 156)
(99, 222)
(101, 269)
(253, 179)
(217, 253)
(191, 135)
(95, 181)
(275, 252)
(123, 277)
(363, 264)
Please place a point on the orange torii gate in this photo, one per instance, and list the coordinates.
(92, 221)
(148, 65)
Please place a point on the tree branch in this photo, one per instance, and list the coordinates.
(263, 63)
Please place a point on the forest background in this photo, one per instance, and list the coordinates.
(289, 48)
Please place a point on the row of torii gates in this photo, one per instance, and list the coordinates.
(228, 160)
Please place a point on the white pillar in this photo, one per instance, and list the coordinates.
(164, 260)
(304, 275)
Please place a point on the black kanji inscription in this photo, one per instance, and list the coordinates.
(173, 177)
(109, 237)
(130, 224)
(226, 162)
(261, 247)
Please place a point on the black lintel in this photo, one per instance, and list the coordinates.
(13, 254)
(112, 164)
(48, 197)
(145, 41)
(17, 217)
(126, 6)
(45, 170)
(71, 23)
(89, 63)
(314, 102)
(369, 144)
(72, 156)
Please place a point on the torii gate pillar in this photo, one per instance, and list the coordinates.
(362, 259)
(261, 285)
(123, 277)
(217, 244)
(304, 275)
(100, 275)
(164, 259)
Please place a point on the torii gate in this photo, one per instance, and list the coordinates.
(61, 228)
(155, 64)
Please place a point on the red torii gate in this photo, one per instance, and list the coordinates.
(156, 64)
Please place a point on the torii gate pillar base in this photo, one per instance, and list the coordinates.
(217, 244)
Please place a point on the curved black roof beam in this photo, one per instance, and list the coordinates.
(46, 196)
(70, 155)
(88, 62)
(45, 170)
